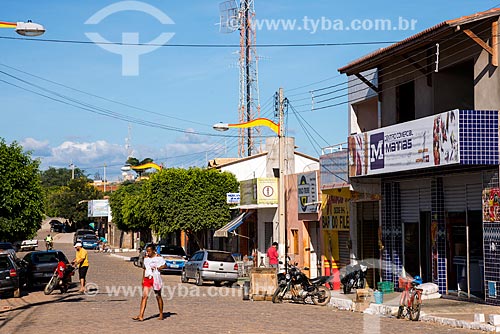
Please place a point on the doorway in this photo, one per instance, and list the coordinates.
(417, 247)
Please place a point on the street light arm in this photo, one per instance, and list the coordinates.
(258, 122)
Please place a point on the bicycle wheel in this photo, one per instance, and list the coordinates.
(400, 312)
(415, 307)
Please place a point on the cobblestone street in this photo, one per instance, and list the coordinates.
(114, 299)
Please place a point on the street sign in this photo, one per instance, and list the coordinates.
(233, 198)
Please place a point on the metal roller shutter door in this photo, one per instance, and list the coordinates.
(415, 197)
(462, 192)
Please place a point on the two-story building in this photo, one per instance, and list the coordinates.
(423, 124)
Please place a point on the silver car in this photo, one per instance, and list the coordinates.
(210, 265)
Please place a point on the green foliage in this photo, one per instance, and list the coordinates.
(59, 176)
(192, 200)
(64, 201)
(128, 207)
(21, 201)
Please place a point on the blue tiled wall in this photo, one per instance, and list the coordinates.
(478, 137)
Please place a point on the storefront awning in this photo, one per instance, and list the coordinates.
(231, 226)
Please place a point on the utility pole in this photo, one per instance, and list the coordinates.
(281, 181)
(72, 166)
(104, 178)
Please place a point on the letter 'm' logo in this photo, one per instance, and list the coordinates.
(377, 151)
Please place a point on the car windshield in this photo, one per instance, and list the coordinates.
(89, 237)
(172, 250)
(220, 256)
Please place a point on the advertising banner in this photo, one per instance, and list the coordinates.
(491, 205)
(426, 142)
(98, 208)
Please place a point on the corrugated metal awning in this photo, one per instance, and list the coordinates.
(231, 226)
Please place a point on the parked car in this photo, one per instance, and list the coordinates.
(90, 241)
(10, 276)
(41, 265)
(80, 233)
(175, 257)
(210, 265)
(28, 245)
(7, 245)
(57, 226)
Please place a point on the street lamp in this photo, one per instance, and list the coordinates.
(278, 129)
(28, 28)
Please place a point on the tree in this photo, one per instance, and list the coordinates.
(66, 201)
(59, 176)
(128, 206)
(192, 200)
(21, 199)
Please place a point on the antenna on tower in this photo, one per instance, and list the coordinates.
(233, 18)
(128, 141)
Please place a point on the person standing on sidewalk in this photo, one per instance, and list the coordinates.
(82, 262)
(272, 254)
(153, 262)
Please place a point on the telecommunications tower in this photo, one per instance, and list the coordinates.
(232, 18)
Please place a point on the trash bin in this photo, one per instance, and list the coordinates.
(379, 297)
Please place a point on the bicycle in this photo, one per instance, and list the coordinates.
(411, 299)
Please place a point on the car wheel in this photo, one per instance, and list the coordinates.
(184, 278)
(199, 279)
(17, 293)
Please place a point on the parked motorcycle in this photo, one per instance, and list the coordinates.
(296, 286)
(61, 278)
(354, 277)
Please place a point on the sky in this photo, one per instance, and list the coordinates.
(68, 100)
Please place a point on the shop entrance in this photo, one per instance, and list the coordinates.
(464, 246)
(417, 247)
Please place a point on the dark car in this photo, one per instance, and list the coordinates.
(41, 265)
(90, 241)
(57, 226)
(10, 276)
(6, 245)
(211, 265)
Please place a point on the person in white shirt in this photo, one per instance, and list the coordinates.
(152, 264)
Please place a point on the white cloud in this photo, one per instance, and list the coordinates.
(39, 148)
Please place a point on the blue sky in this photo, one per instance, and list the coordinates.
(188, 89)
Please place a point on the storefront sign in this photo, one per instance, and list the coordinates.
(426, 142)
(336, 214)
(308, 192)
(259, 191)
(233, 198)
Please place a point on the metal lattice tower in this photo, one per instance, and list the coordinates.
(241, 19)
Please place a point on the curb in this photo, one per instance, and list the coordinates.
(124, 258)
(391, 311)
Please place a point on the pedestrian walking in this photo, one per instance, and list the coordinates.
(151, 279)
(82, 262)
(272, 254)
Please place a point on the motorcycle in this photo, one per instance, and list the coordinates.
(49, 245)
(296, 286)
(354, 277)
(61, 278)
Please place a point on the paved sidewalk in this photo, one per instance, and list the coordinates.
(445, 311)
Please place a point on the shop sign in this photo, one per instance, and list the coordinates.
(426, 142)
(307, 190)
(491, 205)
(336, 214)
